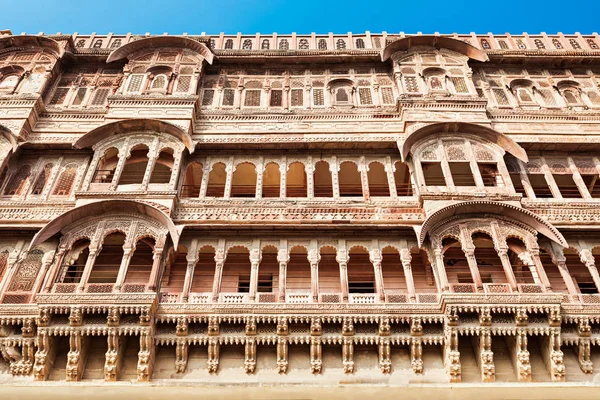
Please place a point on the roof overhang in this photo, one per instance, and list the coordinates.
(133, 125)
(453, 128)
(8, 42)
(477, 208)
(158, 42)
(105, 207)
(437, 42)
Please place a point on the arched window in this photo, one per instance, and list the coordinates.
(360, 44)
(571, 96)
(284, 44)
(18, 181)
(98, 44)
(107, 166)
(42, 180)
(574, 44)
(340, 44)
(159, 82)
(539, 44)
(192, 180)
(394, 280)
(9, 83)
(135, 83)
(349, 180)
(361, 274)
(247, 44)
(322, 180)
(557, 44)
(216, 180)
(75, 262)
(296, 180)
(377, 177)
(485, 44)
(108, 261)
(236, 271)
(140, 266)
(28, 270)
(402, 178)
(163, 167)
(64, 183)
(303, 44)
(297, 272)
(322, 45)
(243, 181)
(135, 166)
(229, 44)
(488, 261)
(592, 44)
(343, 95)
(271, 180)
(329, 274)
(116, 43)
(265, 45)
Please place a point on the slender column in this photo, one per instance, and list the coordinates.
(156, 264)
(228, 179)
(255, 258)
(587, 258)
(219, 262)
(260, 171)
(585, 193)
(46, 262)
(525, 181)
(364, 178)
(474, 167)
(444, 286)
(283, 258)
(560, 261)
(537, 262)
(123, 156)
(406, 259)
(472, 261)
(152, 157)
(389, 170)
(283, 179)
(505, 174)
(445, 167)
(375, 257)
(175, 170)
(550, 179)
(192, 260)
(342, 259)
(51, 277)
(205, 175)
(335, 178)
(508, 269)
(127, 254)
(87, 270)
(310, 178)
(313, 258)
(93, 166)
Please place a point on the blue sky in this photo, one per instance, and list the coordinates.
(302, 16)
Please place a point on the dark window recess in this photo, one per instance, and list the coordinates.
(489, 174)
(434, 176)
(265, 284)
(540, 186)
(461, 174)
(587, 287)
(464, 278)
(517, 183)
(276, 98)
(361, 287)
(592, 183)
(243, 284)
(567, 186)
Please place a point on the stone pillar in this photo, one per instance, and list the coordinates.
(416, 345)
(152, 157)
(376, 258)
(585, 193)
(54, 269)
(389, 171)
(283, 179)
(342, 259)
(406, 259)
(192, 260)
(364, 177)
(313, 258)
(537, 262)
(508, 269)
(316, 355)
(260, 171)
(87, 270)
(474, 167)
(229, 170)
(335, 177)
(255, 258)
(472, 261)
(283, 258)
(560, 261)
(588, 259)
(46, 262)
(123, 156)
(310, 178)
(156, 265)
(444, 286)
(348, 345)
(114, 356)
(219, 262)
(206, 168)
(127, 254)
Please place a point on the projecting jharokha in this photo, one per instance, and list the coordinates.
(285, 209)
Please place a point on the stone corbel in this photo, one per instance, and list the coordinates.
(145, 357)
(250, 355)
(76, 317)
(213, 326)
(114, 317)
(583, 351)
(316, 356)
(181, 356)
(523, 366)
(488, 369)
(416, 355)
(213, 355)
(348, 354)
(452, 355)
(114, 356)
(76, 356)
(44, 357)
(181, 329)
(20, 364)
(555, 356)
(282, 354)
(385, 362)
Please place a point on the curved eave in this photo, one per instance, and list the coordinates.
(105, 207)
(133, 125)
(447, 128)
(13, 140)
(158, 42)
(41, 42)
(482, 207)
(437, 42)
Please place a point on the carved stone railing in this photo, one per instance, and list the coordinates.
(396, 297)
(362, 298)
(496, 288)
(267, 297)
(99, 288)
(199, 298)
(530, 288)
(296, 298)
(64, 288)
(464, 288)
(330, 298)
(169, 297)
(233, 298)
(428, 298)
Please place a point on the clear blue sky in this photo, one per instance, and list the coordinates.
(302, 16)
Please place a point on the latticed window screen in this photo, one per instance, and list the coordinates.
(42, 180)
(207, 97)
(65, 182)
(276, 98)
(27, 273)
(284, 44)
(100, 96)
(365, 96)
(183, 83)
(549, 99)
(500, 96)
(247, 45)
(297, 97)
(460, 85)
(387, 95)
(159, 82)
(228, 96)
(135, 83)
(79, 96)
(322, 44)
(410, 82)
(303, 44)
(18, 181)
(229, 44)
(252, 98)
(318, 97)
(60, 94)
(340, 44)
